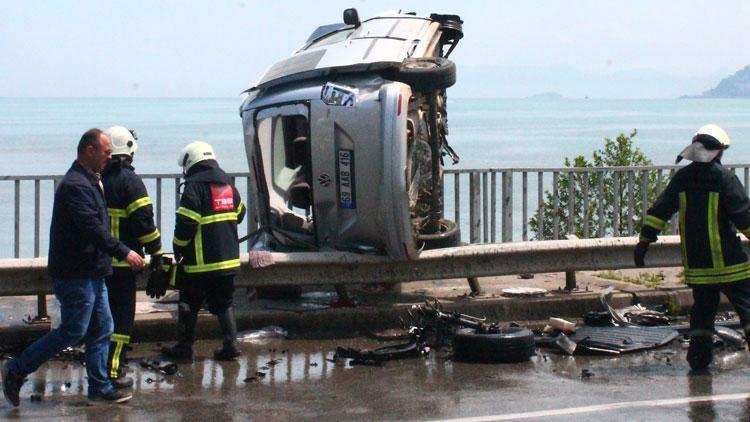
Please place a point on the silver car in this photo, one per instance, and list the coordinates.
(346, 138)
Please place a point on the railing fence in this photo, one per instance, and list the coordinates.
(489, 205)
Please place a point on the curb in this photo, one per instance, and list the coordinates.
(354, 322)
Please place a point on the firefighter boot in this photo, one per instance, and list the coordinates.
(186, 320)
(700, 352)
(231, 347)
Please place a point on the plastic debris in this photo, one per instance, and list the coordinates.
(562, 324)
(524, 292)
(271, 331)
(730, 337)
(565, 344)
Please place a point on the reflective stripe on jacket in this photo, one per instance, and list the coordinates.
(206, 223)
(130, 210)
(711, 203)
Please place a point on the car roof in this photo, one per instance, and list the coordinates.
(387, 38)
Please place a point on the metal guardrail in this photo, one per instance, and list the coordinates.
(28, 276)
(500, 203)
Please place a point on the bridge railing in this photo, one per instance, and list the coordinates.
(492, 205)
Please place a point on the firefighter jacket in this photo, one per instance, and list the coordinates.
(80, 244)
(205, 233)
(711, 203)
(130, 210)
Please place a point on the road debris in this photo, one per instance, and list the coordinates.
(268, 332)
(524, 292)
(469, 338)
(168, 368)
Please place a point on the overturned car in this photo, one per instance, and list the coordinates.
(346, 138)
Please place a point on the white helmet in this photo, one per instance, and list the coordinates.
(193, 153)
(123, 140)
(715, 132)
(707, 144)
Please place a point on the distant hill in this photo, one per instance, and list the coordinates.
(735, 86)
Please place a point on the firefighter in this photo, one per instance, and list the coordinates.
(131, 220)
(711, 203)
(206, 246)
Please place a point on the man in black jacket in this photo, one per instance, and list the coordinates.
(711, 203)
(205, 242)
(80, 252)
(131, 219)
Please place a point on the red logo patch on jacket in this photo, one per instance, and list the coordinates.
(222, 197)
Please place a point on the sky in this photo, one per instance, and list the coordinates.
(607, 49)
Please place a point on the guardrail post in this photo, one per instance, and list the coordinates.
(41, 300)
(17, 219)
(507, 207)
(570, 276)
(476, 289)
(474, 207)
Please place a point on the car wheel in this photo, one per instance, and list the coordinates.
(513, 344)
(448, 237)
(427, 74)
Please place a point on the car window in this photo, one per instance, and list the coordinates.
(331, 39)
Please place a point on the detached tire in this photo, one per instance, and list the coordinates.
(448, 237)
(510, 345)
(426, 74)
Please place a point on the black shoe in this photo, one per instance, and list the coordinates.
(114, 396)
(228, 352)
(121, 383)
(178, 351)
(11, 385)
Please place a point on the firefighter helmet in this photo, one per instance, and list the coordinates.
(193, 153)
(124, 140)
(708, 143)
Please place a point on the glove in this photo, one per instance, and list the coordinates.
(157, 278)
(640, 253)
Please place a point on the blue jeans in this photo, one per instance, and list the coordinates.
(84, 315)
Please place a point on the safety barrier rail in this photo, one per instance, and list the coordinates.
(27, 276)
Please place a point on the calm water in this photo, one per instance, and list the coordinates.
(39, 136)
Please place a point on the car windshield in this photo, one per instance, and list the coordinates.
(333, 38)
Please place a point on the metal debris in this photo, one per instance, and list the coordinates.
(169, 368)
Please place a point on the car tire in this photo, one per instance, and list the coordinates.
(426, 74)
(509, 345)
(448, 237)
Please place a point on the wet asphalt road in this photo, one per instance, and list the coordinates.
(298, 382)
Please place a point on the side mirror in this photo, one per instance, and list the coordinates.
(351, 17)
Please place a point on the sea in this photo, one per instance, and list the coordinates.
(38, 136)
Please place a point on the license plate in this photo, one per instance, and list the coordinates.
(345, 179)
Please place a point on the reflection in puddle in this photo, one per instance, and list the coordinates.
(270, 367)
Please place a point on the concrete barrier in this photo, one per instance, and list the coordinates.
(28, 276)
